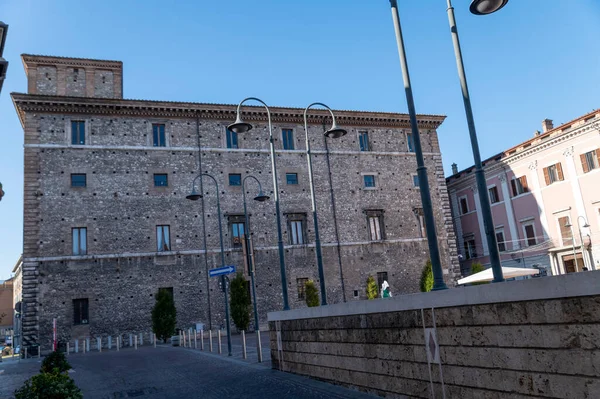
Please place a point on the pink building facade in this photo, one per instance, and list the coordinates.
(545, 200)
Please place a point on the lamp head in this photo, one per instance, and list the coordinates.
(586, 225)
(261, 197)
(335, 132)
(194, 196)
(485, 7)
(568, 224)
(239, 126)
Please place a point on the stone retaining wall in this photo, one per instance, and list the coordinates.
(520, 339)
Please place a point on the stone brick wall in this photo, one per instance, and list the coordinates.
(523, 339)
(120, 207)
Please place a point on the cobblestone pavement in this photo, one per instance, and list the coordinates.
(175, 372)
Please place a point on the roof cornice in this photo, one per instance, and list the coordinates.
(166, 109)
(29, 59)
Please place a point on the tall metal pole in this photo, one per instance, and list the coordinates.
(284, 290)
(434, 253)
(247, 238)
(224, 281)
(486, 210)
(313, 202)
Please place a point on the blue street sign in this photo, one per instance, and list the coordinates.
(221, 270)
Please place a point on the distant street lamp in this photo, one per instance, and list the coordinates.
(3, 62)
(478, 7)
(195, 196)
(247, 237)
(579, 226)
(239, 126)
(334, 132)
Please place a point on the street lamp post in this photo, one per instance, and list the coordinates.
(239, 126)
(247, 237)
(434, 253)
(569, 225)
(479, 7)
(579, 226)
(194, 196)
(333, 132)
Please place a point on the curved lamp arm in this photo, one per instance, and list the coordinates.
(333, 125)
(255, 179)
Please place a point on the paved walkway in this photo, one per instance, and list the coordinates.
(175, 372)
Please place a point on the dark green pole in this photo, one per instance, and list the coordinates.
(434, 253)
(486, 210)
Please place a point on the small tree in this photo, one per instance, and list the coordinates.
(49, 386)
(164, 315)
(311, 294)
(477, 267)
(426, 283)
(371, 288)
(240, 302)
(56, 362)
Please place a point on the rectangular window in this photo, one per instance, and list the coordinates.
(301, 284)
(161, 180)
(356, 294)
(158, 135)
(375, 222)
(78, 132)
(237, 233)
(409, 142)
(565, 232)
(553, 173)
(296, 238)
(519, 186)
(78, 180)
(235, 179)
(163, 238)
(291, 178)
(590, 160)
(530, 234)
(369, 181)
(381, 277)
(464, 205)
(232, 139)
(500, 240)
(79, 237)
(415, 180)
(469, 247)
(421, 222)
(168, 290)
(363, 141)
(80, 311)
(288, 139)
(493, 192)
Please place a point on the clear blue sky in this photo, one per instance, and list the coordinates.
(534, 59)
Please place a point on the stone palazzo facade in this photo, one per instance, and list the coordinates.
(107, 224)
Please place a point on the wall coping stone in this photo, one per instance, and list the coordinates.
(550, 287)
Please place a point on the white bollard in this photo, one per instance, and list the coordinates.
(141, 339)
(154, 339)
(87, 344)
(190, 340)
(135, 340)
(118, 342)
(210, 340)
(25, 353)
(244, 344)
(258, 347)
(109, 344)
(184, 341)
(219, 339)
(195, 339)
(130, 341)
(201, 340)
(40, 350)
(99, 343)
(77, 345)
